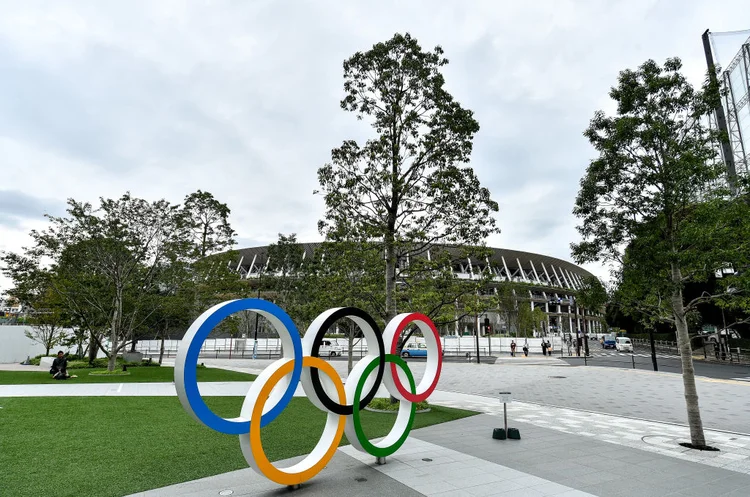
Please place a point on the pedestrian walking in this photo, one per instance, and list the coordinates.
(544, 347)
(513, 348)
(526, 348)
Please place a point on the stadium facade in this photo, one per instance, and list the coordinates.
(551, 284)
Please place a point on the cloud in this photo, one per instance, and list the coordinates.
(242, 99)
(17, 207)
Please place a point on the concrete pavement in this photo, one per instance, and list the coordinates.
(657, 396)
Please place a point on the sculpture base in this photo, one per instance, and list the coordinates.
(380, 460)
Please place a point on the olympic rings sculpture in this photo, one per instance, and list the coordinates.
(274, 388)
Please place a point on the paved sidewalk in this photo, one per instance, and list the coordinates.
(461, 459)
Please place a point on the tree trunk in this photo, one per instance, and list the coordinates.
(697, 437)
(390, 278)
(161, 350)
(115, 330)
(93, 347)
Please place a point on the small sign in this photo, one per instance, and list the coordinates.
(505, 397)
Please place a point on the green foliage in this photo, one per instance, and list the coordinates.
(652, 203)
(529, 320)
(207, 220)
(384, 404)
(408, 186)
(126, 267)
(80, 365)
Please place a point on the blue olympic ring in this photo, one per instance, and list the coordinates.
(213, 317)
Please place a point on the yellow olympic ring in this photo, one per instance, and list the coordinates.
(321, 455)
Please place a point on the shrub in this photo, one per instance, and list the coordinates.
(150, 363)
(78, 364)
(383, 404)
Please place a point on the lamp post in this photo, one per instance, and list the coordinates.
(255, 338)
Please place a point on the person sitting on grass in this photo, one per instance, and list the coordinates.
(59, 369)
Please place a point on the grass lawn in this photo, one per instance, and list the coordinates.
(137, 375)
(113, 446)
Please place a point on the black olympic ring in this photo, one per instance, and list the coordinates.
(325, 399)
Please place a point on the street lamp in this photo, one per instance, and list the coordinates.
(255, 339)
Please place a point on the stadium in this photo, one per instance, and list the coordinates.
(551, 284)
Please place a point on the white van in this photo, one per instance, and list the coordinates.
(623, 344)
(330, 349)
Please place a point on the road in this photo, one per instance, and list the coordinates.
(670, 363)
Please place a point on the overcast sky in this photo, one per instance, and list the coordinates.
(241, 98)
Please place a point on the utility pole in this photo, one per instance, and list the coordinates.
(721, 119)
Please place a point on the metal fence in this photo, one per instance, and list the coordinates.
(708, 353)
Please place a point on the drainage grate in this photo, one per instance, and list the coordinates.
(360, 479)
(427, 459)
(226, 492)
(557, 377)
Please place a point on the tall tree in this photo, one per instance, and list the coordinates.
(650, 201)
(408, 187)
(111, 258)
(283, 270)
(208, 222)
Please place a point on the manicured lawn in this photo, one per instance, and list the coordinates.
(137, 375)
(113, 446)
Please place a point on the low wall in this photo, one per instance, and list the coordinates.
(15, 347)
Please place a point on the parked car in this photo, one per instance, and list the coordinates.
(623, 344)
(414, 350)
(330, 349)
(608, 342)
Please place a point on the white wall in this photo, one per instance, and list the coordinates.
(15, 347)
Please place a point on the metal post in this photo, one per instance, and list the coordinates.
(476, 331)
(255, 339)
(632, 357)
(653, 349)
(505, 417)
